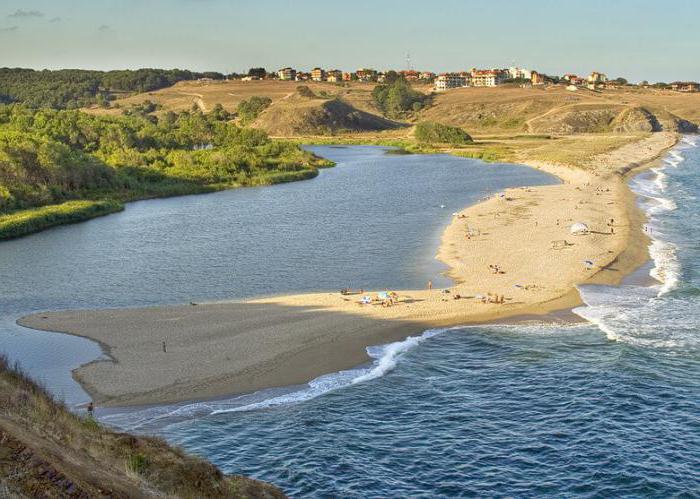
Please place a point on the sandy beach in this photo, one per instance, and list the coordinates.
(216, 349)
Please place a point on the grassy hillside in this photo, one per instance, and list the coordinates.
(479, 111)
(307, 113)
(556, 111)
(47, 451)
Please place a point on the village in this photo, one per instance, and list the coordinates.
(471, 78)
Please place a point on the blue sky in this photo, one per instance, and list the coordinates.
(638, 39)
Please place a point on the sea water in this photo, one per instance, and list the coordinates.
(606, 408)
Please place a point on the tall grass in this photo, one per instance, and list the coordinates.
(21, 223)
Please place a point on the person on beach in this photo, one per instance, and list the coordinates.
(164, 350)
(91, 409)
(430, 285)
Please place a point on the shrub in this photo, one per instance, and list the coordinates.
(249, 109)
(436, 133)
(136, 464)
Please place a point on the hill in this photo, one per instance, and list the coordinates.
(554, 110)
(47, 451)
(312, 115)
(503, 110)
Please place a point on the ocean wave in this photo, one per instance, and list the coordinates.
(646, 315)
(385, 358)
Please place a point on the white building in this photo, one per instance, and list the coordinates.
(519, 73)
(447, 81)
(289, 74)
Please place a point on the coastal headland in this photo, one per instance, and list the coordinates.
(510, 255)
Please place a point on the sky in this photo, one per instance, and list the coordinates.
(635, 39)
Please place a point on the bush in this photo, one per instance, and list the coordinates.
(249, 109)
(437, 133)
(137, 464)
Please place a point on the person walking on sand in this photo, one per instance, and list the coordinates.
(430, 285)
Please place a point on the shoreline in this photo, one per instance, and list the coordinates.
(224, 348)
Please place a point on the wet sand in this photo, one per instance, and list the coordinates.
(216, 349)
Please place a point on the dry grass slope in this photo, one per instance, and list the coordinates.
(299, 115)
(502, 111)
(47, 451)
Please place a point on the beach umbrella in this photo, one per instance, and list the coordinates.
(579, 228)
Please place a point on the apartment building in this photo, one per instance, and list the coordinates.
(449, 80)
(287, 74)
(487, 77)
(318, 74)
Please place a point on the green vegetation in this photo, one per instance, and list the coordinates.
(250, 109)
(74, 88)
(396, 98)
(436, 133)
(25, 222)
(48, 451)
(48, 157)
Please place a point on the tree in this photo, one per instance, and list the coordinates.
(249, 109)
(395, 99)
(257, 72)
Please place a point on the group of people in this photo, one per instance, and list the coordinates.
(492, 298)
(386, 298)
(496, 269)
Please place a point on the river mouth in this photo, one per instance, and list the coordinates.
(375, 220)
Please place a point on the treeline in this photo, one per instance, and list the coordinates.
(74, 88)
(52, 156)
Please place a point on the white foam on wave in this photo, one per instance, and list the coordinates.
(630, 313)
(385, 358)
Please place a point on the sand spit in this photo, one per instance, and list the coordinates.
(226, 348)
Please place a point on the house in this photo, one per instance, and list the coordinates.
(487, 77)
(349, 76)
(516, 73)
(685, 86)
(410, 74)
(318, 74)
(446, 81)
(537, 78)
(334, 76)
(596, 78)
(365, 74)
(612, 85)
(427, 75)
(303, 76)
(287, 74)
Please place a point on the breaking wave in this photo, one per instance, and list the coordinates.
(657, 315)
